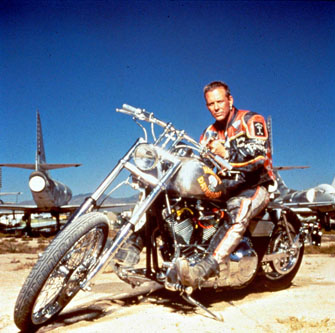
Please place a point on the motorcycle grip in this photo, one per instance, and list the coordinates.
(223, 162)
(131, 108)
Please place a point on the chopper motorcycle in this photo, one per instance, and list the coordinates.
(178, 219)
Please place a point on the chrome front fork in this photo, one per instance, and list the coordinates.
(113, 246)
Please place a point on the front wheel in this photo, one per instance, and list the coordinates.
(279, 273)
(56, 277)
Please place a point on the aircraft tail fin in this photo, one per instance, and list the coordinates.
(40, 152)
(333, 183)
(282, 187)
(269, 126)
(40, 163)
(40, 159)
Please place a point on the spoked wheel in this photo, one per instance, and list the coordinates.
(279, 273)
(57, 276)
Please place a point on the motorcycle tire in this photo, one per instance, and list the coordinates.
(55, 279)
(278, 274)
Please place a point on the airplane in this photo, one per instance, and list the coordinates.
(9, 193)
(7, 218)
(318, 201)
(313, 204)
(48, 194)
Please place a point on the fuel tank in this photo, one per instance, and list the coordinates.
(195, 180)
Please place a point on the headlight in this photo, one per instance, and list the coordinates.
(145, 157)
(37, 183)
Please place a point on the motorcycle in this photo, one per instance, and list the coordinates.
(178, 215)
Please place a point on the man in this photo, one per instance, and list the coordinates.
(240, 137)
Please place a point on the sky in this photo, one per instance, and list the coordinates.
(77, 61)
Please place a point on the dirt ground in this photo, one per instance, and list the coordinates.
(307, 306)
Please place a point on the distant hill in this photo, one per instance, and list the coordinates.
(79, 198)
(26, 202)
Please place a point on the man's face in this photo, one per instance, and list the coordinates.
(218, 103)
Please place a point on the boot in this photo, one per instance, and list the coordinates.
(194, 275)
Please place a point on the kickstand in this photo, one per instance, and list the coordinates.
(192, 301)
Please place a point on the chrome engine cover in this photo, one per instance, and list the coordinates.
(239, 270)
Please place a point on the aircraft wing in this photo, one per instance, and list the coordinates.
(72, 208)
(120, 204)
(44, 166)
(29, 166)
(63, 209)
(17, 207)
(11, 193)
(322, 206)
(32, 209)
(290, 167)
(103, 206)
(49, 166)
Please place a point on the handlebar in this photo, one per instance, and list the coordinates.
(131, 108)
(133, 111)
(222, 162)
(143, 115)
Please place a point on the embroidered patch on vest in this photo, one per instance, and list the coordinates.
(259, 129)
(256, 127)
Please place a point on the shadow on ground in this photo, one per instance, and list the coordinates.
(109, 305)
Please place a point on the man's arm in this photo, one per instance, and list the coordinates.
(249, 151)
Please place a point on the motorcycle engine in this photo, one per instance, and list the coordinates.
(193, 225)
(189, 225)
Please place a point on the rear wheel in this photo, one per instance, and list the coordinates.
(56, 277)
(279, 273)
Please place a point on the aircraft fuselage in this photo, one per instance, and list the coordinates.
(48, 193)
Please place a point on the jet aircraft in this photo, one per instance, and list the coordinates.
(9, 193)
(48, 194)
(317, 201)
(2, 194)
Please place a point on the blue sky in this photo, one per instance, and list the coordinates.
(76, 61)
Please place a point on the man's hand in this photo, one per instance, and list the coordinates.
(217, 148)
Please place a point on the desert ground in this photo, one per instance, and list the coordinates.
(112, 306)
